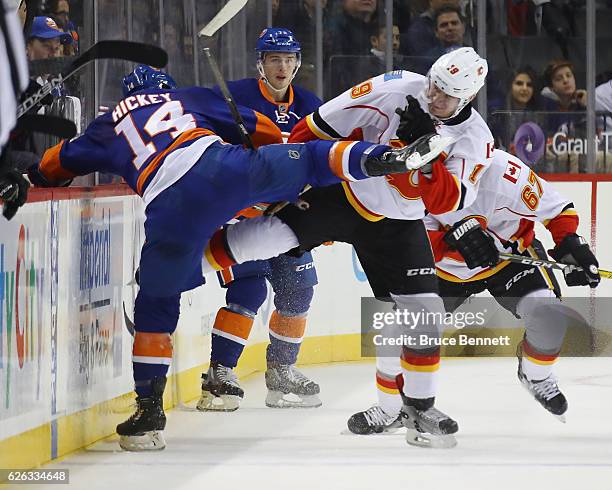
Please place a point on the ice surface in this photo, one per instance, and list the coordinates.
(506, 440)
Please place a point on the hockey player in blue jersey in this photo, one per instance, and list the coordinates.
(168, 145)
(292, 278)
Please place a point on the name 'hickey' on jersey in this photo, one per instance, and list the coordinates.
(135, 101)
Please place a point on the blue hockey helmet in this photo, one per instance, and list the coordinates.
(277, 40)
(144, 77)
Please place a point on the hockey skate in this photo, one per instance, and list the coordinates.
(143, 431)
(289, 388)
(374, 420)
(545, 391)
(412, 157)
(427, 426)
(221, 391)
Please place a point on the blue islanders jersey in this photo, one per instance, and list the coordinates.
(153, 138)
(251, 92)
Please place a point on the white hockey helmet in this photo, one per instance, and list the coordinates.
(460, 73)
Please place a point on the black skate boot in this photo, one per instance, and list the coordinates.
(374, 420)
(289, 388)
(545, 391)
(143, 431)
(426, 425)
(221, 391)
(414, 156)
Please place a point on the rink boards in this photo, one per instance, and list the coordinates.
(66, 269)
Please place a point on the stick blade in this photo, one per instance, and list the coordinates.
(229, 10)
(146, 54)
(40, 123)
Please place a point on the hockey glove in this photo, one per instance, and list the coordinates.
(412, 157)
(474, 244)
(13, 192)
(583, 266)
(39, 180)
(414, 121)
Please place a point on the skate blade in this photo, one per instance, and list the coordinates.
(223, 403)
(422, 439)
(561, 418)
(278, 399)
(149, 441)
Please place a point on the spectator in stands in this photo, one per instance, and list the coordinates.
(351, 28)
(378, 43)
(560, 89)
(60, 11)
(522, 95)
(360, 68)
(449, 30)
(560, 94)
(420, 37)
(517, 107)
(46, 39)
(529, 17)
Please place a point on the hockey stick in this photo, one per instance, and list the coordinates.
(549, 264)
(229, 10)
(227, 13)
(244, 134)
(122, 50)
(53, 125)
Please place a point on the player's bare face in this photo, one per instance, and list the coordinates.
(441, 104)
(279, 68)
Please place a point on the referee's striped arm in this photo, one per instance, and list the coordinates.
(13, 68)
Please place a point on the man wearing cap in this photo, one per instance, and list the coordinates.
(46, 39)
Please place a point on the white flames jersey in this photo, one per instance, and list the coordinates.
(511, 197)
(370, 108)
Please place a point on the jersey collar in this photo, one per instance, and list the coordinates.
(269, 98)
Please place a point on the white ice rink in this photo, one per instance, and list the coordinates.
(505, 440)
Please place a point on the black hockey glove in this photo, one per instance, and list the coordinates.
(575, 251)
(474, 244)
(414, 121)
(13, 192)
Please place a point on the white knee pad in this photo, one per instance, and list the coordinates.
(259, 238)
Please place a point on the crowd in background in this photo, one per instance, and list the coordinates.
(535, 49)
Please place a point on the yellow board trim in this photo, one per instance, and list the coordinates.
(75, 431)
